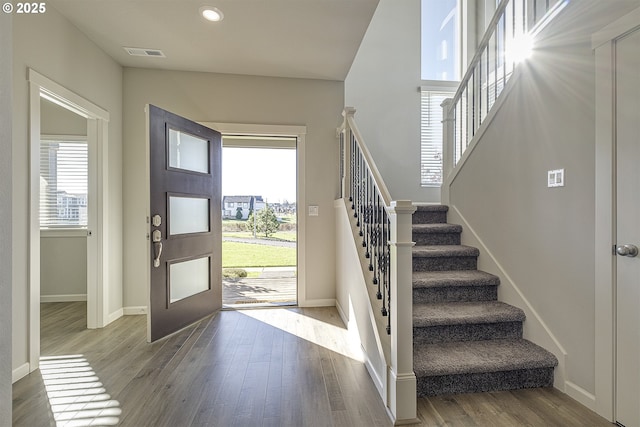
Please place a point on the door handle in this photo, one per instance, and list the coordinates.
(627, 250)
(157, 249)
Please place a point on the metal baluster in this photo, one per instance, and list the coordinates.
(374, 241)
(388, 270)
(352, 170)
(365, 215)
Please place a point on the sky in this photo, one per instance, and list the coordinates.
(270, 173)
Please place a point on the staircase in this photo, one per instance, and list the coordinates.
(464, 339)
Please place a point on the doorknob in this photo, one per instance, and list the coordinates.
(157, 247)
(627, 250)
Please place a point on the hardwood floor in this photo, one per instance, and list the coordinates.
(263, 367)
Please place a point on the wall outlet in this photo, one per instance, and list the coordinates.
(555, 178)
(313, 211)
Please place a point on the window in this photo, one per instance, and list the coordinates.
(431, 135)
(64, 182)
(440, 40)
(441, 58)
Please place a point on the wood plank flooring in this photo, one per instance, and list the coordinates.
(263, 367)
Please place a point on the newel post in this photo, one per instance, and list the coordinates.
(348, 114)
(402, 380)
(448, 144)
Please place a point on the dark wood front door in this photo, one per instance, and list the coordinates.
(185, 226)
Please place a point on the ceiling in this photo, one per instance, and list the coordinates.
(315, 39)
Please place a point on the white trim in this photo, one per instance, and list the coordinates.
(535, 329)
(63, 298)
(603, 42)
(20, 372)
(581, 395)
(375, 377)
(616, 29)
(134, 310)
(97, 261)
(48, 233)
(327, 302)
(115, 315)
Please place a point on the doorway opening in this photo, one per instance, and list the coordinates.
(259, 221)
(86, 124)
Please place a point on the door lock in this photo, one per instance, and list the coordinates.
(627, 250)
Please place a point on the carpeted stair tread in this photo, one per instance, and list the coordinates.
(436, 228)
(436, 279)
(465, 313)
(441, 251)
(469, 357)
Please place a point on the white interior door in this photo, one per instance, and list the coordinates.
(628, 230)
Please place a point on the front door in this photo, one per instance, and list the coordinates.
(628, 230)
(185, 225)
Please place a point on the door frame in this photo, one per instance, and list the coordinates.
(97, 253)
(604, 46)
(298, 132)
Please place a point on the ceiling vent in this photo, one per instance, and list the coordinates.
(136, 51)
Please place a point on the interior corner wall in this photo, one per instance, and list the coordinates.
(544, 237)
(6, 113)
(224, 98)
(55, 48)
(382, 85)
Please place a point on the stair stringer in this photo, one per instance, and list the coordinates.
(534, 328)
(356, 300)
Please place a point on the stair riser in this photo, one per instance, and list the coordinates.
(470, 332)
(436, 238)
(455, 294)
(420, 217)
(444, 263)
(483, 382)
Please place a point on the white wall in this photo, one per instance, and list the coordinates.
(222, 98)
(6, 114)
(49, 44)
(543, 237)
(63, 267)
(382, 86)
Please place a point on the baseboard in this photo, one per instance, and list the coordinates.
(377, 380)
(329, 302)
(20, 372)
(115, 315)
(134, 311)
(540, 333)
(63, 298)
(343, 316)
(581, 395)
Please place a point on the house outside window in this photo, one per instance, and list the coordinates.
(64, 167)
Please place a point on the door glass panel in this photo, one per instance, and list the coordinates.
(188, 278)
(188, 152)
(188, 215)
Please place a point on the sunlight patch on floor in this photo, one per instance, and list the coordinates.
(76, 395)
(295, 322)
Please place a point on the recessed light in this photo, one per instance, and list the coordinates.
(212, 14)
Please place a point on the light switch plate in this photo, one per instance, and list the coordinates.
(313, 211)
(555, 178)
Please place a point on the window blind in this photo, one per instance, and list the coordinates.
(431, 137)
(63, 183)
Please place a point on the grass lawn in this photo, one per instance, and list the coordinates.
(249, 255)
